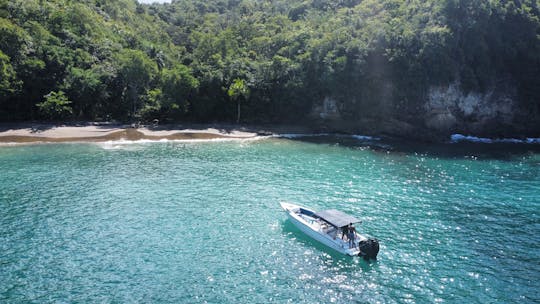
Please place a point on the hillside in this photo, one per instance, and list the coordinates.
(390, 66)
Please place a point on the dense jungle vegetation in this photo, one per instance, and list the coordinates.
(257, 61)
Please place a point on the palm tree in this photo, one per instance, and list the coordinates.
(236, 90)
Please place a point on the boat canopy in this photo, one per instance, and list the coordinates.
(336, 218)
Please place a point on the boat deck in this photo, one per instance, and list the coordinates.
(320, 225)
(325, 227)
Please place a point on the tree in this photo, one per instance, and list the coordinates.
(178, 84)
(172, 98)
(378, 58)
(55, 106)
(8, 79)
(88, 89)
(238, 90)
(13, 40)
(137, 70)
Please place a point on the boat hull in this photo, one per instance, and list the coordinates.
(311, 230)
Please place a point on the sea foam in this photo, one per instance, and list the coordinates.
(121, 143)
(455, 138)
(300, 135)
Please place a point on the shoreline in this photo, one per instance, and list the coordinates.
(28, 133)
(36, 133)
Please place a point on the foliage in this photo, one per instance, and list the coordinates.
(136, 71)
(238, 90)
(118, 59)
(8, 81)
(178, 87)
(55, 106)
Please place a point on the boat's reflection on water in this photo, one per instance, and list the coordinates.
(325, 255)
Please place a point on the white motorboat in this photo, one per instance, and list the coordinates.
(328, 228)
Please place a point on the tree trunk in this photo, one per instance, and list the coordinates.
(133, 93)
(238, 111)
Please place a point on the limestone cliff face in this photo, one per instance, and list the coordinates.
(445, 110)
(449, 109)
(329, 116)
(327, 110)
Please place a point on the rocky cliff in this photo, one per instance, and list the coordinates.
(446, 110)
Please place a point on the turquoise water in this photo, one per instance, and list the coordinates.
(174, 222)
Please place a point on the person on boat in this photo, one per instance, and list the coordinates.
(344, 232)
(351, 234)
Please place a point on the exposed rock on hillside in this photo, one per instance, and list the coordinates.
(446, 110)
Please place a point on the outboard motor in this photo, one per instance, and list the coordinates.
(368, 249)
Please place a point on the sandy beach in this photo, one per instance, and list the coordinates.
(34, 133)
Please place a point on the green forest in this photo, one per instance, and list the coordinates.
(257, 61)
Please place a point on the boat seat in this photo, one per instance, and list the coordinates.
(330, 230)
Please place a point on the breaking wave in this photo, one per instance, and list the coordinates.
(301, 135)
(455, 138)
(165, 140)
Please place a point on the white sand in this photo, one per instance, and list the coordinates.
(90, 131)
(61, 132)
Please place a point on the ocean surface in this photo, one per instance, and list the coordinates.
(200, 222)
